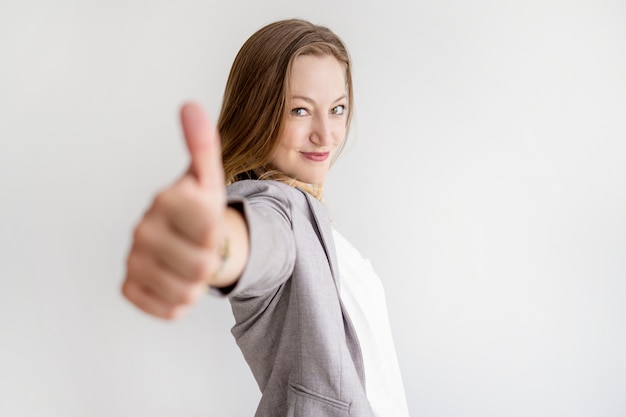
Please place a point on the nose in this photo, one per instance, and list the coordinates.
(322, 132)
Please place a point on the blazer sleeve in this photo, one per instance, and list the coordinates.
(267, 211)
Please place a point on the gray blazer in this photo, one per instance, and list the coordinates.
(290, 323)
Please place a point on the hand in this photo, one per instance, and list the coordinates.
(177, 245)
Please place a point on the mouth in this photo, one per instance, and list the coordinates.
(316, 156)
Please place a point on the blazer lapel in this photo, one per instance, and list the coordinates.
(326, 234)
(322, 222)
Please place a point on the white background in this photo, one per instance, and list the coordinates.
(486, 180)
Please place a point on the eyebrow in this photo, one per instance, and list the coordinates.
(309, 100)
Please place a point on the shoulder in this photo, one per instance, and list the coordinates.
(265, 196)
(254, 188)
(283, 198)
(268, 192)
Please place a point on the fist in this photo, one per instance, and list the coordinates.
(178, 245)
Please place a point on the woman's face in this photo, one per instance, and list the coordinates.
(315, 124)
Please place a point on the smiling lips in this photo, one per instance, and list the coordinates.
(316, 156)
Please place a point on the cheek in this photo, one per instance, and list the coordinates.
(340, 133)
(283, 148)
(292, 138)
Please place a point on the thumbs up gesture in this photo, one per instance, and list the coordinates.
(188, 239)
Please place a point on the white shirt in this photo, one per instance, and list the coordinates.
(363, 296)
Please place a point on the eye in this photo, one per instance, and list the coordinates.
(338, 110)
(299, 111)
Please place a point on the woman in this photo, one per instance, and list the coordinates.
(266, 241)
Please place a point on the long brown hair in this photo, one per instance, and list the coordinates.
(254, 104)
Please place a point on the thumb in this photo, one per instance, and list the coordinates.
(203, 144)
